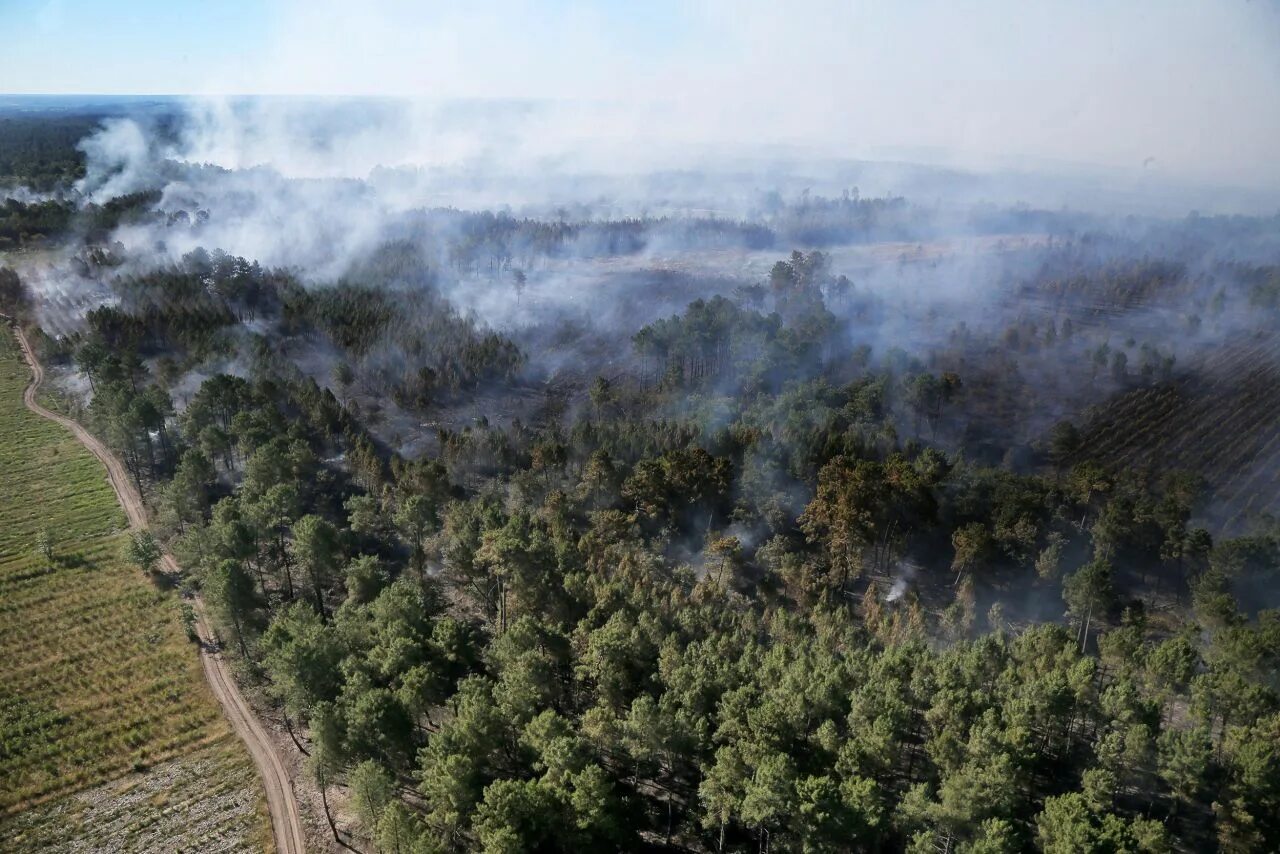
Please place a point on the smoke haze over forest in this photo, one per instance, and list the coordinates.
(1147, 91)
(711, 426)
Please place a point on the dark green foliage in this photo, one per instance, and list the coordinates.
(737, 599)
(15, 298)
(594, 659)
(718, 339)
(41, 150)
(24, 224)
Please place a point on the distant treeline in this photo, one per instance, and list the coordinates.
(40, 151)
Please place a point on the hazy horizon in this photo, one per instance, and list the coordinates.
(1178, 93)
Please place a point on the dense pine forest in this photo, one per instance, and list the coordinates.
(550, 531)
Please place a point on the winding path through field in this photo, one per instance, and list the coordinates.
(286, 820)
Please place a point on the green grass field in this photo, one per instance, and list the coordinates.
(101, 694)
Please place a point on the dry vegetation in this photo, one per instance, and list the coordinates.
(101, 694)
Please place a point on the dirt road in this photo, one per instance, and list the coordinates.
(286, 821)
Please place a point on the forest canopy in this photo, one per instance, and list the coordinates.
(833, 523)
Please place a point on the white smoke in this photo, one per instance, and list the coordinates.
(118, 160)
(905, 573)
(1002, 82)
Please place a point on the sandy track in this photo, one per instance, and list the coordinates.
(286, 821)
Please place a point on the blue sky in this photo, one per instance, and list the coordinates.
(180, 46)
(1188, 86)
(132, 46)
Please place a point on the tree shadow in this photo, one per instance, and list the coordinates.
(163, 580)
(74, 560)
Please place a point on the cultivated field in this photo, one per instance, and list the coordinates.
(109, 737)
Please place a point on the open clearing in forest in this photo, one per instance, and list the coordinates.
(101, 694)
